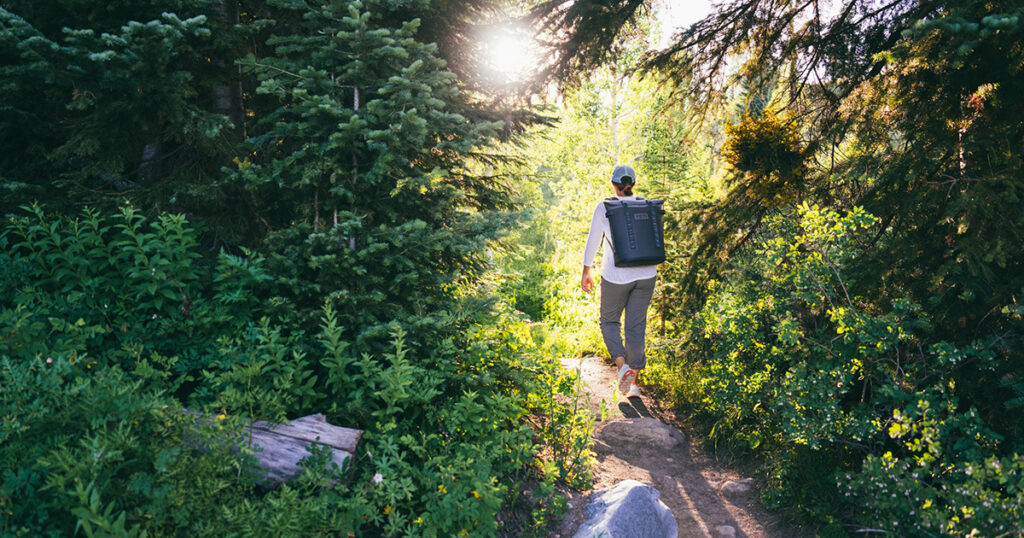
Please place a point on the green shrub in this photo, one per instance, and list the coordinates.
(856, 407)
(122, 289)
(92, 444)
(96, 437)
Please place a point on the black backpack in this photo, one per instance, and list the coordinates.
(637, 231)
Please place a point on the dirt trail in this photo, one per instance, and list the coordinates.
(706, 498)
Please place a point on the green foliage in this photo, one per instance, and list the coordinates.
(568, 428)
(359, 159)
(587, 35)
(94, 409)
(787, 359)
(92, 513)
(766, 154)
(329, 138)
(974, 490)
(84, 447)
(810, 350)
(113, 102)
(450, 441)
(263, 375)
(124, 290)
(953, 180)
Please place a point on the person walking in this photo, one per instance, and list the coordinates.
(623, 289)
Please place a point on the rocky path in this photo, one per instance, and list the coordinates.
(639, 441)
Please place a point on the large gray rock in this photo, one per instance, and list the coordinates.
(641, 432)
(629, 509)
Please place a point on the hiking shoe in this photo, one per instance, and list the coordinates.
(627, 376)
(634, 391)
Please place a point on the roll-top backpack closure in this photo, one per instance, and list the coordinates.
(637, 231)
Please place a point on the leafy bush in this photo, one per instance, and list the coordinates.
(96, 436)
(124, 290)
(89, 446)
(856, 407)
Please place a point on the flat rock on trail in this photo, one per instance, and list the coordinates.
(633, 443)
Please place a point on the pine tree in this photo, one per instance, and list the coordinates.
(355, 163)
(359, 166)
(110, 103)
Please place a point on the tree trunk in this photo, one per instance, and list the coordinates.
(614, 118)
(227, 98)
(149, 162)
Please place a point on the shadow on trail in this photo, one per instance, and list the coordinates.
(634, 408)
(628, 411)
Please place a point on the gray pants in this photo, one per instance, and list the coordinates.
(634, 298)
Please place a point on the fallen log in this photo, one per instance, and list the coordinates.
(278, 448)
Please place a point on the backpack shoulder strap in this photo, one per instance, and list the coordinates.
(606, 200)
(605, 236)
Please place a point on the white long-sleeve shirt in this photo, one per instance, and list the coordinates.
(601, 230)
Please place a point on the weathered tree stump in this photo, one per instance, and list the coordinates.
(279, 448)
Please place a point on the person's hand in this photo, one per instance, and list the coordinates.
(587, 282)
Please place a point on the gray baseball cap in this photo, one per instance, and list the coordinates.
(622, 171)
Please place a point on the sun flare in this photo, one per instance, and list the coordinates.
(508, 54)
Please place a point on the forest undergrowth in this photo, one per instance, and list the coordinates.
(264, 209)
(261, 211)
(122, 333)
